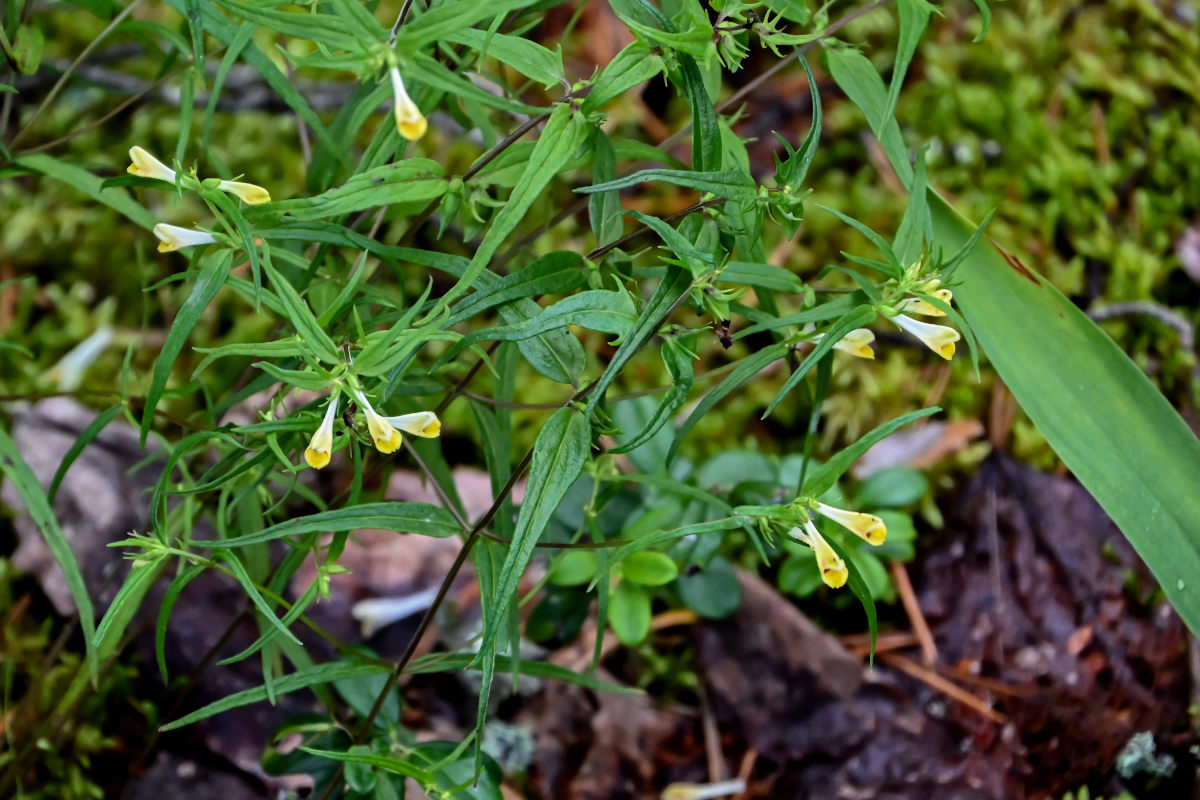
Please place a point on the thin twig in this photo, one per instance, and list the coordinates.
(920, 627)
(935, 681)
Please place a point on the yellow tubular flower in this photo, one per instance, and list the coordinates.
(173, 237)
(409, 119)
(147, 166)
(833, 569)
(857, 343)
(318, 450)
(422, 423)
(387, 439)
(937, 338)
(249, 193)
(915, 305)
(866, 526)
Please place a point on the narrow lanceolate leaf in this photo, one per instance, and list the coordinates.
(419, 518)
(91, 185)
(670, 291)
(126, 603)
(527, 57)
(746, 369)
(26, 483)
(634, 65)
(1107, 422)
(822, 478)
(730, 184)
(213, 273)
(558, 458)
(555, 147)
(856, 76)
(440, 662)
(595, 309)
(301, 679)
(414, 180)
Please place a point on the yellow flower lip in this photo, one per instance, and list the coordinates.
(317, 454)
(857, 343)
(147, 166)
(833, 569)
(868, 527)
(173, 237)
(249, 193)
(938, 338)
(409, 120)
(421, 423)
(386, 438)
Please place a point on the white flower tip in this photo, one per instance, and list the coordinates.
(147, 166)
(173, 237)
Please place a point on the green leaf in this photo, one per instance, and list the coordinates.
(558, 458)
(27, 47)
(419, 518)
(914, 17)
(84, 438)
(714, 592)
(27, 486)
(634, 65)
(671, 290)
(856, 76)
(678, 360)
(649, 568)
(730, 184)
(441, 662)
(213, 272)
(916, 226)
(574, 568)
(437, 75)
(526, 57)
(553, 273)
(300, 315)
(1103, 417)
(385, 763)
(414, 180)
(555, 148)
(765, 276)
(629, 613)
(443, 19)
(251, 590)
(89, 184)
(595, 309)
(216, 24)
(124, 606)
(824, 477)
(857, 318)
(746, 369)
(894, 487)
(301, 679)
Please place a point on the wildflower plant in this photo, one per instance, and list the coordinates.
(402, 300)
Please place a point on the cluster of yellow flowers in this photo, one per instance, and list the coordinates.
(868, 527)
(938, 338)
(173, 237)
(385, 431)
